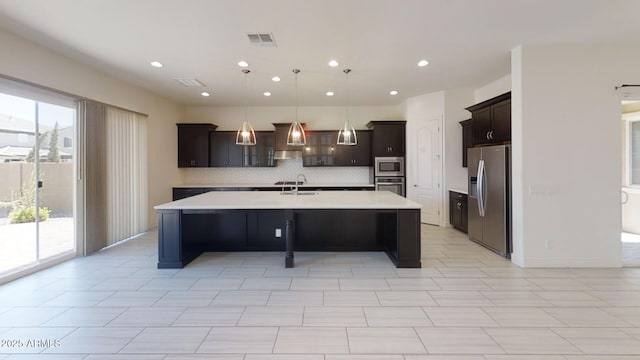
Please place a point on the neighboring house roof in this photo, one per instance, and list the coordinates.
(10, 124)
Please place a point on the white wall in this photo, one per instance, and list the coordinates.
(316, 118)
(454, 111)
(493, 89)
(27, 61)
(566, 153)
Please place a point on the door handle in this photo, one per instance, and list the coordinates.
(480, 188)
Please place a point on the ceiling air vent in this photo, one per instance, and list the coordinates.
(190, 82)
(262, 39)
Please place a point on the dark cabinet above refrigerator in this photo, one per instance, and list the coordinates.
(492, 120)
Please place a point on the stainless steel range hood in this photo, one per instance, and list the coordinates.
(287, 154)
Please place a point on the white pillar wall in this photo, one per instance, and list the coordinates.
(566, 153)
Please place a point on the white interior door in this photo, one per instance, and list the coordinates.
(428, 175)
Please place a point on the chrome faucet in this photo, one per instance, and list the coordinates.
(303, 181)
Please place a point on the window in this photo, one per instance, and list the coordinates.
(67, 142)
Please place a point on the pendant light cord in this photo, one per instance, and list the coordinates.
(347, 71)
(246, 72)
(296, 71)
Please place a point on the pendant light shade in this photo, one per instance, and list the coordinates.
(296, 136)
(347, 134)
(245, 135)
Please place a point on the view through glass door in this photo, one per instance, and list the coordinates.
(36, 181)
(630, 182)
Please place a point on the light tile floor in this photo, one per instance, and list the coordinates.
(466, 303)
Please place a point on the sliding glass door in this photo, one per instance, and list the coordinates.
(37, 183)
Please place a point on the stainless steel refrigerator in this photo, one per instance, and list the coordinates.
(489, 199)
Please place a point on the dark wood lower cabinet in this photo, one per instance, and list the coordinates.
(185, 234)
(458, 211)
(332, 230)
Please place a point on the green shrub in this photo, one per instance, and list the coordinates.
(28, 214)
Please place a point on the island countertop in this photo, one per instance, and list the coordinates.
(272, 185)
(274, 200)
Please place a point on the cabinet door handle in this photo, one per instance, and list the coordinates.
(459, 206)
(491, 134)
(488, 134)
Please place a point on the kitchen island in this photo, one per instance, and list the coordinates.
(271, 221)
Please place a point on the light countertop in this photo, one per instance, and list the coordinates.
(458, 190)
(264, 185)
(216, 200)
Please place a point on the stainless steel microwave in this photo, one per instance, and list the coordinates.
(389, 166)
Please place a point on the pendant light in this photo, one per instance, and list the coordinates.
(246, 135)
(296, 135)
(347, 134)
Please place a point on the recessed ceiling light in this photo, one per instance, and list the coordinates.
(243, 63)
(422, 63)
(157, 64)
(266, 93)
(329, 93)
(393, 92)
(275, 78)
(333, 63)
(204, 93)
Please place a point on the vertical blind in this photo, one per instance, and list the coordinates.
(126, 180)
(115, 175)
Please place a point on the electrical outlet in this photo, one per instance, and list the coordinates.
(278, 233)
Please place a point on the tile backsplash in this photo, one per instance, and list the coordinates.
(285, 170)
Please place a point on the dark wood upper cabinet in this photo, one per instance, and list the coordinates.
(261, 154)
(356, 155)
(224, 151)
(320, 149)
(388, 138)
(467, 139)
(501, 113)
(492, 120)
(193, 144)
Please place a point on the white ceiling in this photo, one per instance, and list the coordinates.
(467, 42)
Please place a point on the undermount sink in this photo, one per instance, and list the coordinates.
(300, 193)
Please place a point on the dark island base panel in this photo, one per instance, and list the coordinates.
(183, 235)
